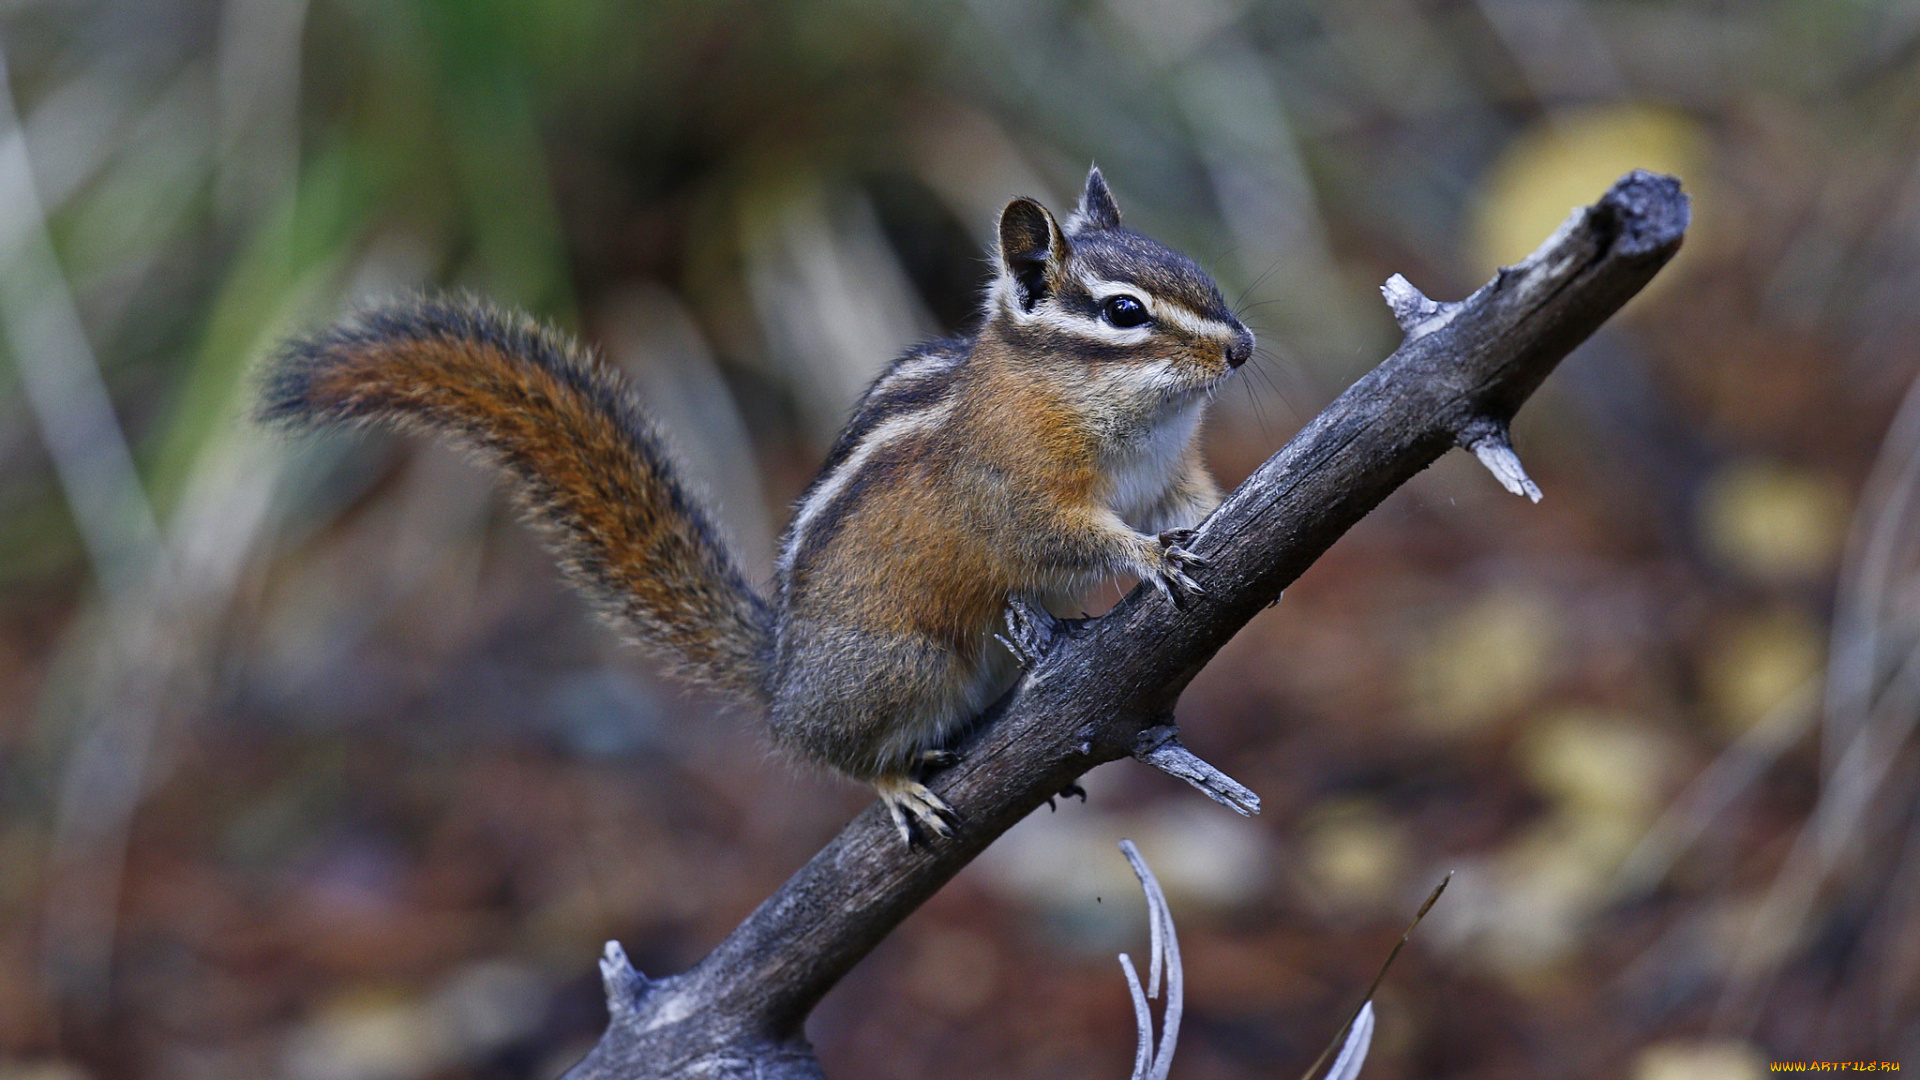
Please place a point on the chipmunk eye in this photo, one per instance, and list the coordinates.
(1124, 312)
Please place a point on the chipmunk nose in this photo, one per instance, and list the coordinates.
(1242, 348)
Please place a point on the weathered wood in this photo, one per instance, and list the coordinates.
(1458, 378)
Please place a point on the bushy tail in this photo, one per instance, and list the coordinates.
(587, 467)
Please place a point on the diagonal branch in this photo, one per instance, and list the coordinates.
(1458, 378)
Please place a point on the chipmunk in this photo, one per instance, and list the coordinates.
(980, 480)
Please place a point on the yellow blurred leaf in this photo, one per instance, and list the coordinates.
(1355, 852)
(1594, 762)
(368, 1035)
(1706, 1059)
(1485, 661)
(1566, 161)
(1546, 888)
(1757, 663)
(1773, 522)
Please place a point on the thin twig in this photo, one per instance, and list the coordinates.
(1161, 748)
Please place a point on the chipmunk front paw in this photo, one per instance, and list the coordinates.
(1170, 577)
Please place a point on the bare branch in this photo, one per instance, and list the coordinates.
(740, 1011)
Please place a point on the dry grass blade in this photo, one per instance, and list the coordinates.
(1165, 945)
(1872, 709)
(61, 377)
(1354, 1054)
(1733, 772)
(95, 469)
(1882, 543)
(1826, 839)
(1344, 1040)
(1142, 1019)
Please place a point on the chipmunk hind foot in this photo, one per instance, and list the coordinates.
(915, 808)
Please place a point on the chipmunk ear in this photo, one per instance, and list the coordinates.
(1097, 208)
(1033, 250)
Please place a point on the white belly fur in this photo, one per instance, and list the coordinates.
(1140, 473)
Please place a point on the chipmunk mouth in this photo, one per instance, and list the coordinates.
(1221, 368)
(1202, 385)
(1172, 380)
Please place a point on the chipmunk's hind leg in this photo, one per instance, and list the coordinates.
(914, 808)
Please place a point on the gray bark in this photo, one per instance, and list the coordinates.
(1462, 372)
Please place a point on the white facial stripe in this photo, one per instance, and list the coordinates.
(1198, 325)
(1051, 315)
(1157, 377)
(915, 368)
(1164, 311)
(1102, 290)
(886, 432)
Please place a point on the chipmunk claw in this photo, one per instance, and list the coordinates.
(915, 809)
(1071, 791)
(1176, 540)
(1172, 579)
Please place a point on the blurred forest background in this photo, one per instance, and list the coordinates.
(310, 768)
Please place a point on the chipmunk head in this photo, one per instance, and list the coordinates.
(1140, 319)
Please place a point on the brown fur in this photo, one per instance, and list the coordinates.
(589, 471)
(1028, 461)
